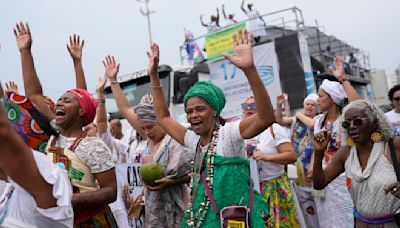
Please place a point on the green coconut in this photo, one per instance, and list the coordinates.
(150, 172)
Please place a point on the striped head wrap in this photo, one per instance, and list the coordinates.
(145, 110)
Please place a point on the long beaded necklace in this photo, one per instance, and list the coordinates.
(196, 220)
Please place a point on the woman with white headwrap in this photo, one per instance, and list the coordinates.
(366, 160)
(334, 204)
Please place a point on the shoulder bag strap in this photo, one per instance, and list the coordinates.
(209, 193)
(251, 194)
(394, 159)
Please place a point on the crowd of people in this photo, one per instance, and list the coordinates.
(216, 173)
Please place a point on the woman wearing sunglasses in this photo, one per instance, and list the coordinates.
(333, 203)
(367, 162)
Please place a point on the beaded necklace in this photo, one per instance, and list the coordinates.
(196, 220)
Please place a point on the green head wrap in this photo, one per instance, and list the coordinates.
(209, 92)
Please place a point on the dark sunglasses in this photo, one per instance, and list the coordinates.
(246, 106)
(396, 98)
(356, 122)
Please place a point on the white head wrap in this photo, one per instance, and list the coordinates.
(335, 91)
(312, 97)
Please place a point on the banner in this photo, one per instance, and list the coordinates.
(221, 41)
(305, 59)
(235, 85)
(129, 182)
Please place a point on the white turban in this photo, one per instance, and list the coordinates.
(335, 91)
(312, 97)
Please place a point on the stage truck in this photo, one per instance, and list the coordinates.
(175, 82)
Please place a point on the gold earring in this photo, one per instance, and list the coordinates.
(376, 137)
(350, 142)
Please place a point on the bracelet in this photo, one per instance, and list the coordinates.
(157, 86)
(345, 79)
(101, 100)
(114, 82)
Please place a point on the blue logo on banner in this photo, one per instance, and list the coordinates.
(266, 74)
(231, 73)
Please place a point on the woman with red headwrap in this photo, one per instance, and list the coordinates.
(87, 160)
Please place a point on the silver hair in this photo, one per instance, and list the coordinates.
(374, 114)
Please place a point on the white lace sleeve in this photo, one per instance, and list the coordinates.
(95, 153)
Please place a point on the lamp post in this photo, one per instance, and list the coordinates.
(146, 12)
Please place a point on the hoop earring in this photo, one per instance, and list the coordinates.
(350, 142)
(376, 137)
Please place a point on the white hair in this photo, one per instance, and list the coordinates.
(374, 114)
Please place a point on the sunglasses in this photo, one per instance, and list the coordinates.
(246, 106)
(356, 122)
(396, 98)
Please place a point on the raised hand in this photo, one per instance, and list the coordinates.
(280, 99)
(100, 85)
(75, 47)
(154, 58)
(111, 68)
(321, 141)
(242, 56)
(11, 87)
(23, 36)
(338, 72)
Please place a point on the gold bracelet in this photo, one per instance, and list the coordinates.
(114, 82)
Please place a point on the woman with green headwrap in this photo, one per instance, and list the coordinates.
(220, 159)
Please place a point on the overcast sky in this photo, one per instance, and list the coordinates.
(117, 27)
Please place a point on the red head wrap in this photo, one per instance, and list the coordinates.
(88, 104)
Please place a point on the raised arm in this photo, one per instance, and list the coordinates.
(111, 71)
(340, 75)
(202, 22)
(15, 154)
(170, 125)
(279, 119)
(217, 22)
(242, 7)
(32, 86)
(243, 59)
(309, 122)
(322, 177)
(223, 12)
(101, 113)
(75, 48)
